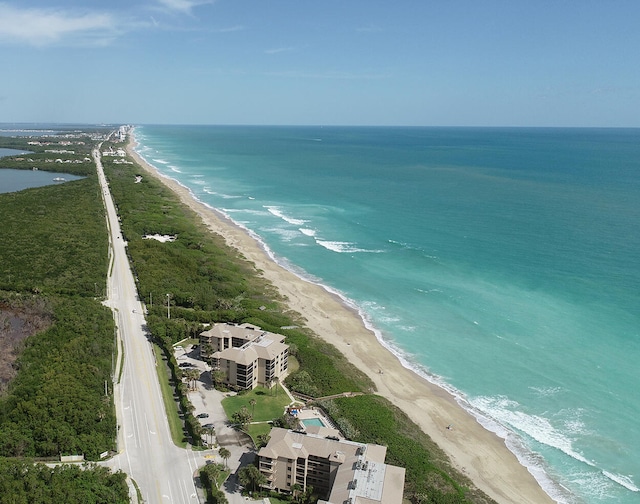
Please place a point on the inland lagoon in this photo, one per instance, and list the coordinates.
(16, 180)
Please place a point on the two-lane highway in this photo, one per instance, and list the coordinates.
(163, 472)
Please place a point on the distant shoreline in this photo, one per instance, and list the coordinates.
(478, 453)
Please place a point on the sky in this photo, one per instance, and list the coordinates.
(332, 62)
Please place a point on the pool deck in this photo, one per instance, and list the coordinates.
(311, 414)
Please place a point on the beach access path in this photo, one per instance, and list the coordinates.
(478, 453)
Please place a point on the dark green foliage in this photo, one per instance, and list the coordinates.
(302, 382)
(54, 252)
(54, 239)
(56, 404)
(209, 475)
(429, 478)
(25, 483)
(193, 428)
(329, 370)
(251, 478)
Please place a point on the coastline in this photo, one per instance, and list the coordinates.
(478, 453)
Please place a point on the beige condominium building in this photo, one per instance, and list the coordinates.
(248, 355)
(340, 471)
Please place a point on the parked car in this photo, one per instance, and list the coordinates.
(203, 415)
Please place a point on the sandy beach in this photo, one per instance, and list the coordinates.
(476, 452)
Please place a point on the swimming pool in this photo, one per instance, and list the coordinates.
(313, 421)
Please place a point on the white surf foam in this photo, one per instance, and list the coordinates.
(344, 247)
(537, 427)
(285, 234)
(625, 481)
(277, 211)
(308, 232)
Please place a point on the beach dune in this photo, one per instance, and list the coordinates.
(478, 453)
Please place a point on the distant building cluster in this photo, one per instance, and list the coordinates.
(120, 152)
(246, 354)
(58, 160)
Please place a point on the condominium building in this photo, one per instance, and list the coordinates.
(248, 355)
(340, 471)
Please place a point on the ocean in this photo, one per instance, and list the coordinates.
(501, 263)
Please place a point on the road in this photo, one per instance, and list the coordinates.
(163, 472)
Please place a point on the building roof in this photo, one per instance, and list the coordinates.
(240, 355)
(258, 343)
(362, 476)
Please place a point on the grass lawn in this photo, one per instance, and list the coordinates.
(268, 405)
(275, 500)
(255, 430)
(222, 477)
(175, 423)
(186, 342)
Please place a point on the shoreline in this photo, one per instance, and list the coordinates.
(475, 451)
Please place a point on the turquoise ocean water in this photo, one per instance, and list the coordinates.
(504, 264)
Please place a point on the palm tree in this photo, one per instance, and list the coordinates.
(305, 497)
(251, 477)
(192, 376)
(296, 488)
(241, 417)
(210, 431)
(252, 402)
(218, 376)
(212, 471)
(263, 440)
(225, 454)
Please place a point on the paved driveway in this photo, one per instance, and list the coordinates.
(206, 399)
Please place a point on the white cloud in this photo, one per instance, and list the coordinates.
(229, 29)
(332, 75)
(47, 26)
(279, 50)
(371, 28)
(183, 5)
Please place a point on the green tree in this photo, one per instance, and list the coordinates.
(263, 440)
(210, 431)
(192, 375)
(218, 377)
(251, 477)
(242, 417)
(296, 488)
(225, 454)
(212, 472)
(305, 497)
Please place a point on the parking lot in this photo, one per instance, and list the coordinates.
(207, 401)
